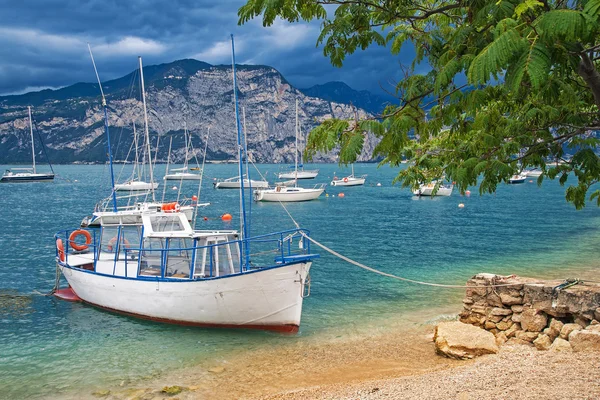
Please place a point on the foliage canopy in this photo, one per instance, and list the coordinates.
(513, 84)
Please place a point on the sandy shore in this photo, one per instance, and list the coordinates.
(394, 364)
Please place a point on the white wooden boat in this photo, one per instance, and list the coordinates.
(234, 183)
(428, 189)
(519, 178)
(152, 264)
(19, 175)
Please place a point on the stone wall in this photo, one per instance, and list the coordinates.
(528, 312)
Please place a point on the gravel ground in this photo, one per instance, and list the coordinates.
(517, 372)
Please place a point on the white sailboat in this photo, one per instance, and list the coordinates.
(298, 173)
(182, 174)
(27, 174)
(282, 193)
(156, 266)
(427, 189)
(136, 184)
(349, 180)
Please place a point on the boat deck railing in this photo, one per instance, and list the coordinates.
(205, 256)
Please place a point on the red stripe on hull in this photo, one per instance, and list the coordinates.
(275, 328)
(67, 294)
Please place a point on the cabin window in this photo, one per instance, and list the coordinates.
(166, 223)
(151, 257)
(179, 258)
(109, 239)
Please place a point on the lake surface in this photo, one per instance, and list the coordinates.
(48, 346)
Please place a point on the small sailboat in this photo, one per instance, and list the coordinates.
(156, 266)
(182, 174)
(298, 173)
(349, 180)
(533, 173)
(235, 182)
(28, 174)
(283, 193)
(427, 189)
(136, 184)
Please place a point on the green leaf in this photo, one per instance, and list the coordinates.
(494, 57)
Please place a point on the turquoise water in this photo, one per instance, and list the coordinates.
(51, 346)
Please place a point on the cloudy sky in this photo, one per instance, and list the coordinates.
(43, 43)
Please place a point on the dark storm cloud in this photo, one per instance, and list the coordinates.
(43, 43)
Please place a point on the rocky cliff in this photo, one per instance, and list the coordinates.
(200, 95)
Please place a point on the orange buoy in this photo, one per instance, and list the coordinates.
(226, 217)
(194, 197)
(341, 195)
(75, 245)
(468, 192)
(206, 218)
(461, 205)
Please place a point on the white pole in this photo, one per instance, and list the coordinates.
(167, 170)
(146, 129)
(136, 167)
(245, 143)
(185, 137)
(296, 180)
(31, 131)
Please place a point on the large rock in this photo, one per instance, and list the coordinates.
(554, 328)
(585, 340)
(526, 336)
(561, 345)
(533, 320)
(567, 329)
(455, 339)
(543, 342)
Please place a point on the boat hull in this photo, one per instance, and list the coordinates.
(287, 195)
(268, 299)
(236, 185)
(300, 175)
(348, 182)
(183, 177)
(17, 178)
(428, 191)
(135, 186)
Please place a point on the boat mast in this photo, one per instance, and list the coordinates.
(110, 160)
(246, 145)
(146, 129)
(167, 170)
(296, 179)
(185, 137)
(245, 248)
(136, 167)
(31, 131)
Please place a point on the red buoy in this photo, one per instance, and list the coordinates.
(226, 217)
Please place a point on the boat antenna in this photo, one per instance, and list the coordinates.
(110, 159)
(146, 131)
(245, 248)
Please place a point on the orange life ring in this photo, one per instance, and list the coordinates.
(346, 179)
(113, 241)
(171, 207)
(61, 249)
(80, 247)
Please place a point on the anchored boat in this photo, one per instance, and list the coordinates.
(152, 264)
(349, 180)
(427, 189)
(27, 174)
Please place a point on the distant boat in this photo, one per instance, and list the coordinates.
(519, 178)
(27, 174)
(349, 180)
(533, 173)
(282, 193)
(182, 174)
(427, 189)
(298, 173)
(234, 183)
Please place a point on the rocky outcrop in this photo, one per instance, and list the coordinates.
(197, 94)
(455, 339)
(524, 311)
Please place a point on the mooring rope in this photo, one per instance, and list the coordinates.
(388, 275)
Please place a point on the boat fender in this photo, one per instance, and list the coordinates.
(61, 249)
(113, 241)
(75, 245)
(345, 179)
